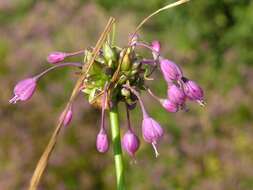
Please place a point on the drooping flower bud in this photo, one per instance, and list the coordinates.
(193, 91)
(170, 70)
(130, 143)
(102, 142)
(169, 106)
(56, 57)
(68, 117)
(176, 95)
(152, 132)
(24, 90)
(157, 47)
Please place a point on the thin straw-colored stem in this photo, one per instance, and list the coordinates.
(157, 12)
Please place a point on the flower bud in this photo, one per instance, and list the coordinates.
(24, 90)
(109, 53)
(170, 70)
(176, 95)
(130, 143)
(152, 132)
(56, 57)
(68, 117)
(169, 106)
(126, 59)
(102, 142)
(192, 90)
(156, 46)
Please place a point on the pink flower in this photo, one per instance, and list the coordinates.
(170, 70)
(24, 90)
(157, 47)
(130, 143)
(102, 142)
(152, 132)
(176, 95)
(169, 106)
(192, 90)
(56, 57)
(68, 117)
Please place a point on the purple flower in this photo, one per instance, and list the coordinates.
(102, 142)
(131, 143)
(176, 95)
(152, 132)
(169, 106)
(170, 70)
(24, 90)
(157, 47)
(68, 117)
(56, 57)
(192, 90)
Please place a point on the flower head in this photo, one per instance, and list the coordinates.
(56, 57)
(24, 90)
(170, 70)
(130, 142)
(102, 142)
(176, 95)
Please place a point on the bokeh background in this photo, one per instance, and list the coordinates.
(207, 148)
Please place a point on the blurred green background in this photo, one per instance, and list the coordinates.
(207, 148)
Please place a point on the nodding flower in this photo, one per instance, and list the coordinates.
(176, 94)
(102, 142)
(193, 91)
(130, 142)
(152, 132)
(24, 90)
(171, 71)
(157, 47)
(169, 106)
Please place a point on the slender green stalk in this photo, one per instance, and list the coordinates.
(116, 141)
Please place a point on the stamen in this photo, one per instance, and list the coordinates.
(202, 103)
(14, 100)
(155, 149)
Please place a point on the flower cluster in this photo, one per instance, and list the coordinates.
(119, 75)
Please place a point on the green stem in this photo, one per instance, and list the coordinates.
(116, 141)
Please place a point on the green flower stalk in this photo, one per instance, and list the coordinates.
(117, 150)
